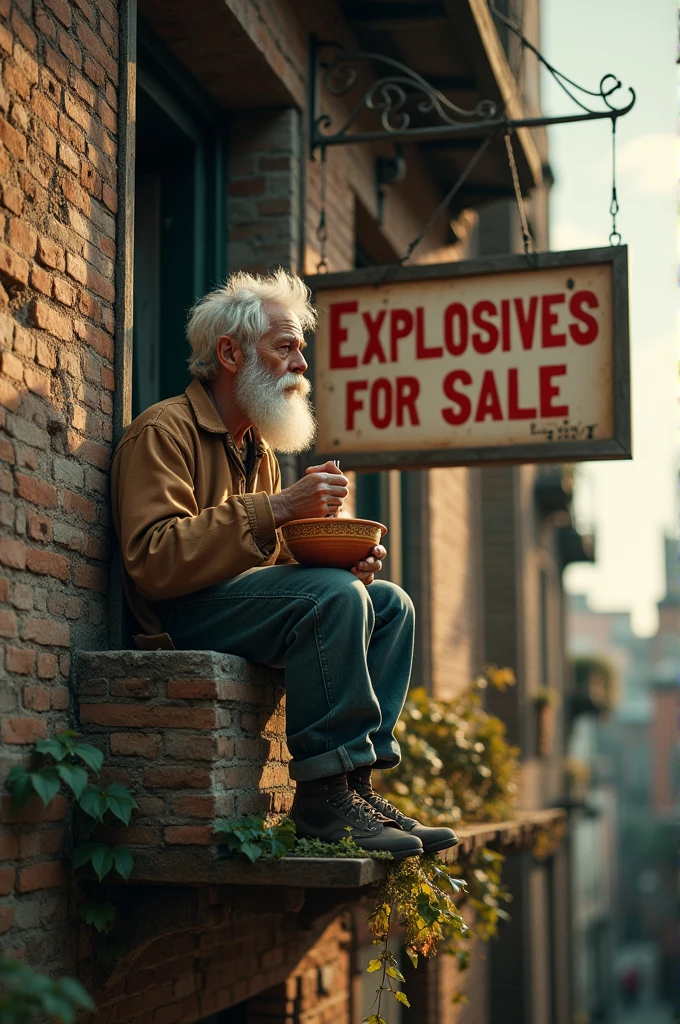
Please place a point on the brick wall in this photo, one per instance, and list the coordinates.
(58, 102)
(195, 735)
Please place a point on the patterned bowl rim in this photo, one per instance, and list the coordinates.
(331, 521)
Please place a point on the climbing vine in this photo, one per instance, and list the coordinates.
(65, 761)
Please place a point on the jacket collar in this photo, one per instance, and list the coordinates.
(208, 417)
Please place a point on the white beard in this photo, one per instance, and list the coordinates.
(285, 418)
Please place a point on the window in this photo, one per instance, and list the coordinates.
(179, 217)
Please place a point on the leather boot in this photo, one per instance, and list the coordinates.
(324, 808)
(433, 839)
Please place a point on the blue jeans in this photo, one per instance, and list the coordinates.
(346, 650)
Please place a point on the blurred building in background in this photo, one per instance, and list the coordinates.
(625, 872)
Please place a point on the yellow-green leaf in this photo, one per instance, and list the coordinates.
(374, 965)
(401, 996)
(394, 973)
(412, 955)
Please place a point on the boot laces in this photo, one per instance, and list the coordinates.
(354, 806)
(382, 806)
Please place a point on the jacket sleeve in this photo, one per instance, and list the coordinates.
(284, 556)
(169, 548)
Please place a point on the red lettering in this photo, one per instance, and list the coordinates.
(353, 404)
(480, 313)
(489, 403)
(548, 390)
(408, 389)
(338, 335)
(381, 419)
(458, 312)
(401, 325)
(374, 348)
(462, 415)
(515, 411)
(421, 351)
(526, 322)
(505, 325)
(587, 334)
(548, 321)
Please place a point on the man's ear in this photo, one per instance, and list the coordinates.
(229, 353)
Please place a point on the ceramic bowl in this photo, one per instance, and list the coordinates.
(333, 543)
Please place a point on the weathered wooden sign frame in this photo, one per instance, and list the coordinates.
(618, 446)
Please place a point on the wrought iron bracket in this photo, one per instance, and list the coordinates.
(391, 90)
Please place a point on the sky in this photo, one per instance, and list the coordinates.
(630, 504)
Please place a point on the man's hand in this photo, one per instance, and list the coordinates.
(321, 490)
(368, 567)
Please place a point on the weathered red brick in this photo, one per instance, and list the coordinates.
(129, 715)
(135, 744)
(38, 527)
(91, 578)
(12, 266)
(23, 730)
(36, 491)
(41, 281)
(47, 666)
(50, 875)
(13, 139)
(188, 835)
(45, 563)
(191, 689)
(37, 698)
(12, 553)
(6, 919)
(49, 319)
(20, 661)
(38, 844)
(7, 879)
(11, 366)
(192, 806)
(50, 254)
(46, 632)
(97, 339)
(64, 292)
(131, 687)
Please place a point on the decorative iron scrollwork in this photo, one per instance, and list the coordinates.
(406, 107)
(388, 95)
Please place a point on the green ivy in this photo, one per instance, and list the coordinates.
(66, 761)
(26, 995)
(456, 763)
(256, 837)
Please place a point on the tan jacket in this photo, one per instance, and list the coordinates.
(185, 515)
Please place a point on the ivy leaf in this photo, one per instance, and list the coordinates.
(101, 915)
(46, 783)
(52, 747)
(412, 955)
(92, 757)
(123, 861)
(83, 853)
(374, 965)
(278, 849)
(20, 785)
(88, 801)
(375, 1018)
(122, 811)
(74, 776)
(102, 860)
(401, 997)
(252, 851)
(395, 973)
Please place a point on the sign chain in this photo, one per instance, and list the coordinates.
(322, 227)
(526, 234)
(615, 236)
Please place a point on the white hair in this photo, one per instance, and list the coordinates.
(238, 309)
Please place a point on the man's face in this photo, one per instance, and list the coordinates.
(280, 349)
(270, 387)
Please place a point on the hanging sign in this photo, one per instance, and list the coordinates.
(509, 359)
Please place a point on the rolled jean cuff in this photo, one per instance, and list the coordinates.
(322, 765)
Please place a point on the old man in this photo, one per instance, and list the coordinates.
(197, 504)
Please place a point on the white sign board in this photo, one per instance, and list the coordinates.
(503, 360)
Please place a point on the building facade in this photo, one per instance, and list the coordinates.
(147, 149)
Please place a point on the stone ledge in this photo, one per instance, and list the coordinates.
(197, 866)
